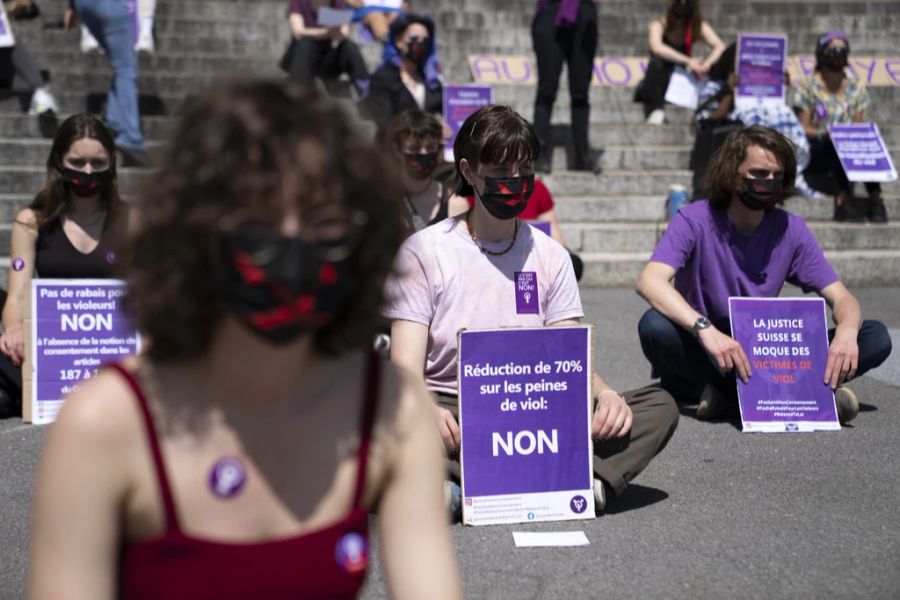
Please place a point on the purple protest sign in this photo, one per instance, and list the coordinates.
(863, 154)
(544, 226)
(460, 101)
(786, 341)
(525, 410)
(760, 65)
(76, 326)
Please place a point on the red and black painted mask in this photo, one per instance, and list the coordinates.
(506, 197)
(761, 194)
(420, 166)
(85, 185)
(281, 288)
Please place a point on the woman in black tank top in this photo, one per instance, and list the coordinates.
(67, 231)
(413, 140)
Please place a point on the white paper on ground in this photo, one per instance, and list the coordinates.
(684, 89)
(393, 4)
(333, 17)
(538, 539)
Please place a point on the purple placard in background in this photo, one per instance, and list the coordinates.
(786, 342)
(460, 101)
(862, 152)
(77, 326)
(544, 226)
(503, 413)
(7, 39)
(760, 65)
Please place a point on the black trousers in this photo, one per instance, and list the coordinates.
(825, 167)
(10, 382)
(575, 47)
(307, 58)
(652, 89)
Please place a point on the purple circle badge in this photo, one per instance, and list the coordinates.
(578, 504)
(821, 111)
(18, 264)
(352, 553)
(227, 477)
(111, 257)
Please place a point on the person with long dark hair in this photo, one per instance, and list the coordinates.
(829, 96)
(739, 242)
(69, 230)
(239, 456)
(672, 39)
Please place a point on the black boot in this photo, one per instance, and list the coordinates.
(847, 212)
(877, 211)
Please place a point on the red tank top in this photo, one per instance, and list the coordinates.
(326, 563)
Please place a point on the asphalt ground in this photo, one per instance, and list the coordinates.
(719, 514)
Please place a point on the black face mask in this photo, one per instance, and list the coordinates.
(761, 194)
(417, 51)
(836, 57)
(506, 197)
(86, 185)
(683, 9)
(281, 288)
(420, 166)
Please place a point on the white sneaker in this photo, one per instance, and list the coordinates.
(847, 404)
(599, 496)
(657, 117)
(145, 42)
(88, 42)
(42, 101)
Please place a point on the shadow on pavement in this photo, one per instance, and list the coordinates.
(634, 497)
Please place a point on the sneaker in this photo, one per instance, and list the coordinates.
(848, 213)
(712, 403)
(42, 101)
(88, 42)
(453, 501)
(599, 495)
(847, 404)
(145, 41)
(877, 211)
(657, 117)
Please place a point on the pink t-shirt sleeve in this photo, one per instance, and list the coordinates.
(408, 290)
(677, 243)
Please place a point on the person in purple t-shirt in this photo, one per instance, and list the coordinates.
(738, 243)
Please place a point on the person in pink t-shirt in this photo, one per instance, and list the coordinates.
(458, 274)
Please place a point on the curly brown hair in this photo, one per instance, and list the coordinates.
(722, 179)
(239, 149)
(493, 135)
(53, 199)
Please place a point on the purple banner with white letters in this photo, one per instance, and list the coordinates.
(460, 101)
(862, 152)
(786, 342)
(524, 400)
(76, 326)
(760, 65)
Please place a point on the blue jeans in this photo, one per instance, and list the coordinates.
(684, 367)
(110, 22)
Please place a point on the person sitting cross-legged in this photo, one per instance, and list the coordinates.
(740, 243)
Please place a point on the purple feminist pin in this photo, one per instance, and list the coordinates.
(352, 553)
(821, 110)
(526, 292)
(227, 477)
(111, 257)
(578, 504)
(18, 264)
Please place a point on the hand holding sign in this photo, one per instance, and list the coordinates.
(843, 357)
(448, 427)
(12, 344)
(726, 351)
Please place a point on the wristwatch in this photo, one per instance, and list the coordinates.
(700, 323)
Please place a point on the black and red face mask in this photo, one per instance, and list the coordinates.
(506, 197)
(85, 185)
(281, 288)
(420, 166)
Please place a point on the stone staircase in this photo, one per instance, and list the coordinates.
(612, 219)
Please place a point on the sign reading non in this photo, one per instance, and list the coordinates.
(760, 66)
(74, 326)
(525, 412)
(863, 154)
(786, 341)
(460, 101)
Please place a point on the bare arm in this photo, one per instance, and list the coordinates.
(555, 233)
(612, 416)
(23, 242)
(80, 490)
(663, 50)
(717, 46)
(655, 286)
(300, 30)
(419, 558)
(843, 353)
(805, 118)
(409, 342)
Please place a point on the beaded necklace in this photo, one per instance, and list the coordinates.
(482, 248)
